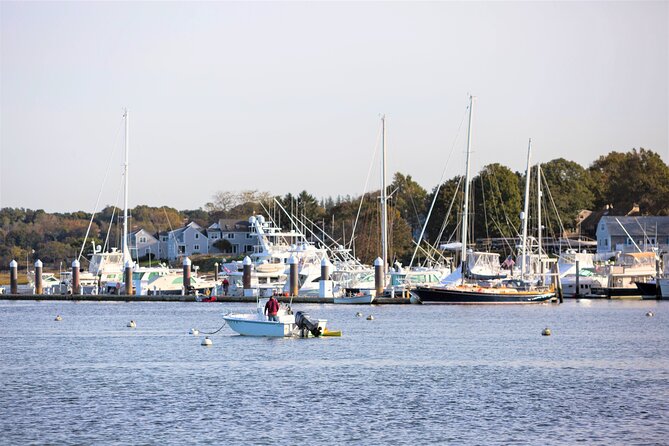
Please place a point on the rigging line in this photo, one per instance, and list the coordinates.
(550, 196)
(485, 211)
(448, 214)
(104, 180)
(369, 173)
(441, 180)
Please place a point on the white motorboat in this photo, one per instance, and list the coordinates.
(360, 299)
(289, 324)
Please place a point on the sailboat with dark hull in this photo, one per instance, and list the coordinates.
(484, 286)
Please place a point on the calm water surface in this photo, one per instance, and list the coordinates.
(413, 375)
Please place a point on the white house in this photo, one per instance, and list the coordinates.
(625, 234)
(186, 241)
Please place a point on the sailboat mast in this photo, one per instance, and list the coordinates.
(465, 208)
(384, 202)
(539, 193)
(124, 245)
(525, 211)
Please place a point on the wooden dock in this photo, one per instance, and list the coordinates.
(179, 298)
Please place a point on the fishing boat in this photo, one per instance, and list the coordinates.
(467, 286)
(289, 324)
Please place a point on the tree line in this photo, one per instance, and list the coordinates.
(616, 180)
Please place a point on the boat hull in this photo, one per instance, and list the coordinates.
(456, 296)
(365, 299)
(248, 327)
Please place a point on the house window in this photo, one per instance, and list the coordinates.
(197, 236)
(231, 235)
(196, 247)
(249, 248)
(182, 249)
(214, 236)
(249, 235)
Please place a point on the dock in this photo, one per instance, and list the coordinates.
(179, 298)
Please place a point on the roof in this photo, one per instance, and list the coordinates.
(636, 226)
(233, 224)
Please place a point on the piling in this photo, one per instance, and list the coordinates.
(557, 286)
(38, 277)
(657, 278)
(128, 278)
(577, 293)
(216, 272)
(325, 288)
(247, 266)
(186, 276)
(13, 277)
(76, 281)
(379, 284)
(294, 282)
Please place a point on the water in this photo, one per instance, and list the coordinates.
(414, 375)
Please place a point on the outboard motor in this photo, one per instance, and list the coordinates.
(304, 322)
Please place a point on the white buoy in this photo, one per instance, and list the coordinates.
(370, 318)
(358, 314)
(58, 318)
(132, 324)
(650, 314)
(207, 342)
(194, 331)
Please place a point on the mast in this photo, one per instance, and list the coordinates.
(465, 208)
(384, 201)
(539, 194)
(124, 246)
(523, 215)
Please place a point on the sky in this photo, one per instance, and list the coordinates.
(287, 96)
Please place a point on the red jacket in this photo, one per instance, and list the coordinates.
(272, 306)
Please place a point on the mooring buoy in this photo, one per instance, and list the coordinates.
(194, 331)
(358, 314)
(370, 318)
(650, 314)
(58, 318)
(132, 324)
(546, 332)
(207, 342)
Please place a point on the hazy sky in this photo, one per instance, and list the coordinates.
(283, 97)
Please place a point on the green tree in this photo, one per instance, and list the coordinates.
(570, 187)
(623, 179)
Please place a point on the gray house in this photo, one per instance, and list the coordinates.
(623, 233)
(182, 242)
(142, 243)
(240, 234)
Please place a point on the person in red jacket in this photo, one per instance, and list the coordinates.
(271, 309)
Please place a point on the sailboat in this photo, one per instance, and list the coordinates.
(485, 285)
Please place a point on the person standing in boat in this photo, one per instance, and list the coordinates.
(271, 309)
(226, 286)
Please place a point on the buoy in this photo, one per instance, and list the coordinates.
(194, 331)
(650, 314)
(546, 332)
(207, 342)
(132, 324)
(58, 318)
(370, 318)
(358, 314)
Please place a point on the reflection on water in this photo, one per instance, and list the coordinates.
(415, 374)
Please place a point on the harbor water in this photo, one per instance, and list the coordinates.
(412, 375)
